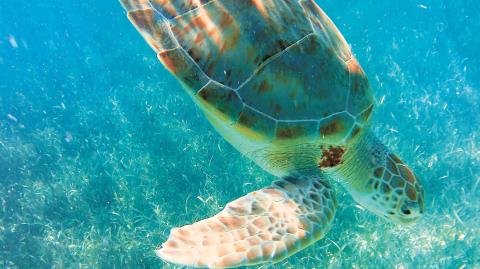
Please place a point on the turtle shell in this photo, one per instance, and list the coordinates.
(277, 68)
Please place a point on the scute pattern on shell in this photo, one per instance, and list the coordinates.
(173, 8)
(230, 39)
(223, 99)
(292, 71)
(308, 82)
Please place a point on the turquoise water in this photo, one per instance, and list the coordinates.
(101, 152)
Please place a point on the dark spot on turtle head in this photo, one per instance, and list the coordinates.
(378, 172)
(385, 188)
(411, 193)
(407, 174)
(397, 182)
(396, 159)
(392, 166)
(331, 157)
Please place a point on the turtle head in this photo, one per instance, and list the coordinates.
(379, 181)
(394, 193)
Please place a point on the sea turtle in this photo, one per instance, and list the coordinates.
(279, 82)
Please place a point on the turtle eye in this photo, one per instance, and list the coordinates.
(406, 211)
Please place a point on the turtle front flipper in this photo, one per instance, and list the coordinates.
(264, 226)
(378, 180)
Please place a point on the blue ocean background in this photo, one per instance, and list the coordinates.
(102, 152)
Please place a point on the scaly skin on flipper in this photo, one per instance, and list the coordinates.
(264, 226)
(278, 81)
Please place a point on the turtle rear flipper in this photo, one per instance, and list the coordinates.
(264, 226)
